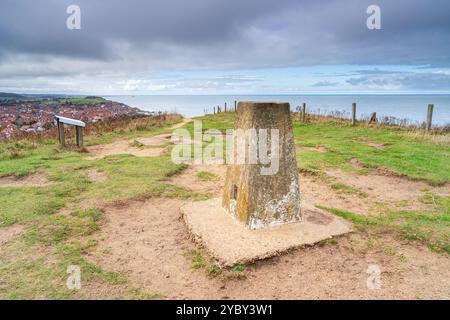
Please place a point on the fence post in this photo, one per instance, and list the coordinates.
(353, 113)
(214, 108)
(430, 116)
(235, 105)
(58, 130)
(79, 133)
(225, 107)
(373, 118)
(62, 139)
(304, 112)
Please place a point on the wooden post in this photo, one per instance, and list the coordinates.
(214, 110)
(225, 107)
(57, 126)
(79, 133)
(304, 112)
(430, 116)
(353, 113)
(218, 109)
(235, 105)
(62, 139)
(373, 118)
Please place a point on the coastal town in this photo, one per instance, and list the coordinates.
(39, 115)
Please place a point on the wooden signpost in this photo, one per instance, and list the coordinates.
(79, 125)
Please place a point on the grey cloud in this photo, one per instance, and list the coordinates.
(297, 32)
(376, 71)
(325, 84)
(131, 38)
(406, 80)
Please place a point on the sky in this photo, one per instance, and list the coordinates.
(224, 47)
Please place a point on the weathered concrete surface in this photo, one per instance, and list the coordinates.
(255, 199)
(231, 242)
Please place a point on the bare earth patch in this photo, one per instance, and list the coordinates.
(370, 194)
(8, 233)
(188, 178)
(320, 149)
(145, 146)
(355, 163)
(32, 180)
(147, 242)
(392, 191)
(318, 192)
(96, 176)
(126, 147)
(376, 145)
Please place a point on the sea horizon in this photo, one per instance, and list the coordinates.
(403, 106)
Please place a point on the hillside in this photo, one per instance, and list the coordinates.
(113, 209)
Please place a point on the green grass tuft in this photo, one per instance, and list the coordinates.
(207, 176)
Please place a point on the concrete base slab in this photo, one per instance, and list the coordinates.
(230, 242)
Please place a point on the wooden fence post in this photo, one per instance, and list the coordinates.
(214, 110)
(430, 116)
(62, 139)
(57, 129)
(235, 105)
(373, 118)
(79, 132)
(225, 107)
(304, 112)
(353, 113)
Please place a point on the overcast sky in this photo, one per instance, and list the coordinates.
(224, 47)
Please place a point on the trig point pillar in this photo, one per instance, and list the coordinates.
(263, 200)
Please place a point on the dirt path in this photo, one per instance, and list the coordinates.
(32, 180)
(139, 147)
(367, 194)
(148, 242)
(189, 179)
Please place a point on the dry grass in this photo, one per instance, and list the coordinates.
(438, 135)
(120, 125)
(437, 139)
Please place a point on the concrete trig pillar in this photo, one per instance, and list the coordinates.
(262, 200)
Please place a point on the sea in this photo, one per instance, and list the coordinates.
(408, 107)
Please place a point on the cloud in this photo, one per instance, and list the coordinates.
(438, 80)
(131, 40)
(325, 84)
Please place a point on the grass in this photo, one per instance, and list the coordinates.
(404, 153)
(199, 261)
(344, 188)
(107, 132)
(238, 267)
(328, 241)
(61, 237)
(207, 176)
(31, 272)
(137, 144)
(82, 100)
(429, 227)
(34, 264)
